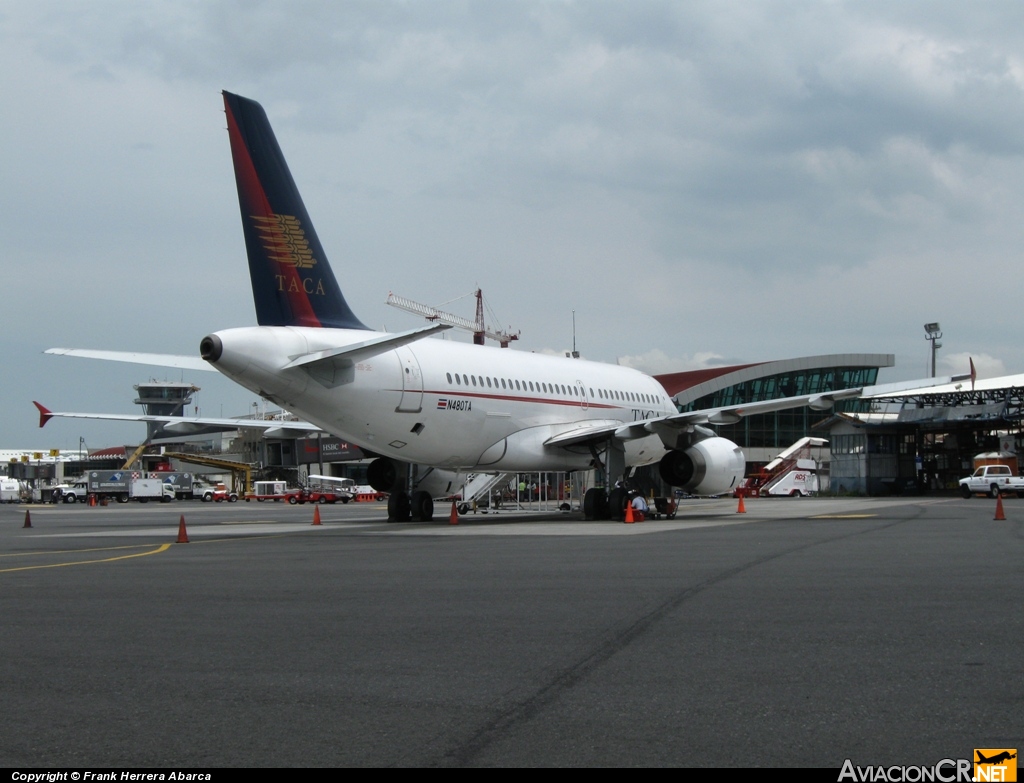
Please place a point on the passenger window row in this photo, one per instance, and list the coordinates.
(576, 392)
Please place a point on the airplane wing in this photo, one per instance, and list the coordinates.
(670, 427)
(136, 357)
(184, 425)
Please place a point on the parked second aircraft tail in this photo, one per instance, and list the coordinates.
(292, 283)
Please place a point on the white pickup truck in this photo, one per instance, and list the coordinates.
(992, 480)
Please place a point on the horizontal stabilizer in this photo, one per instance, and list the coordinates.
(136, 357)
(350, 354)
(183, 424)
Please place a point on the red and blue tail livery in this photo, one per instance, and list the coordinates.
(292, 283)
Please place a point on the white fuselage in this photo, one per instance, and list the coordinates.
(446, 404)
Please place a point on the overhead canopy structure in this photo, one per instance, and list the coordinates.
(762, 436)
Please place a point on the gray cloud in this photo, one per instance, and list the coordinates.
(703, 179)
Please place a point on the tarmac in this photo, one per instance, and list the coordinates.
(801, 633)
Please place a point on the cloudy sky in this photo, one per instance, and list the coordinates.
(701, 182)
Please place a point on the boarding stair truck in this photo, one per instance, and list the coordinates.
(479, 485)
(125, 485)
(794, 473)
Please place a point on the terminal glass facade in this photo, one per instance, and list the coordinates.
(782, 428)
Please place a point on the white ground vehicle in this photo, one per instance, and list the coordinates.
(10, 490)
(993, 480)
(72, 492)
(125, 485)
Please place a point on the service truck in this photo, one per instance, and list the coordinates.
(992, 480)
(73, 491)
(189, 487)
(125, 485)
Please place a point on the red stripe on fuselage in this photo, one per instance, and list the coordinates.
(508, 398)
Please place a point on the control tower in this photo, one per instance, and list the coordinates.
(163, 398)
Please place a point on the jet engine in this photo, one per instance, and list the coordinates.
(709, 467)
(382, 474)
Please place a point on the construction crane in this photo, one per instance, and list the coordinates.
(476, 326)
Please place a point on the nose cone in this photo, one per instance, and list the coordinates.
(211, 348)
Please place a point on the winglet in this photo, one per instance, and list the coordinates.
(44, 414)
(974, 372)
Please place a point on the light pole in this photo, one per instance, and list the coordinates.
(933, 333)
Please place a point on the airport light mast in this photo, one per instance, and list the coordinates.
(933, 333)
(476, 326)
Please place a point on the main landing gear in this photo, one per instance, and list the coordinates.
(598, 504)
(386, 475)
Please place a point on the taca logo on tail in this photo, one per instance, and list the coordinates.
(292, 283)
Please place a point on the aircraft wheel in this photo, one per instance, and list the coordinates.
(617, 500)
(398, 507)
(422, 506)
(595, 504)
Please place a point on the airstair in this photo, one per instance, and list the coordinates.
(480, 484)
(793, 472)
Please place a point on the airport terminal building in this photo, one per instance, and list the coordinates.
(763, 436)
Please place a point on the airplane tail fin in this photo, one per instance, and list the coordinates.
(292, 283)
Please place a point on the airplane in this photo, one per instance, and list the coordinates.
(409, 400)
(996, 759)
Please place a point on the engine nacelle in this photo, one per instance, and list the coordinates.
(381, 474)
(709, 467)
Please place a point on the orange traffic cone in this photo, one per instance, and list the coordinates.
(316, 515)
(182, 533)
(999, 507)
(629, 520)
(28, 519)
(453, 518)
(741, 509)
